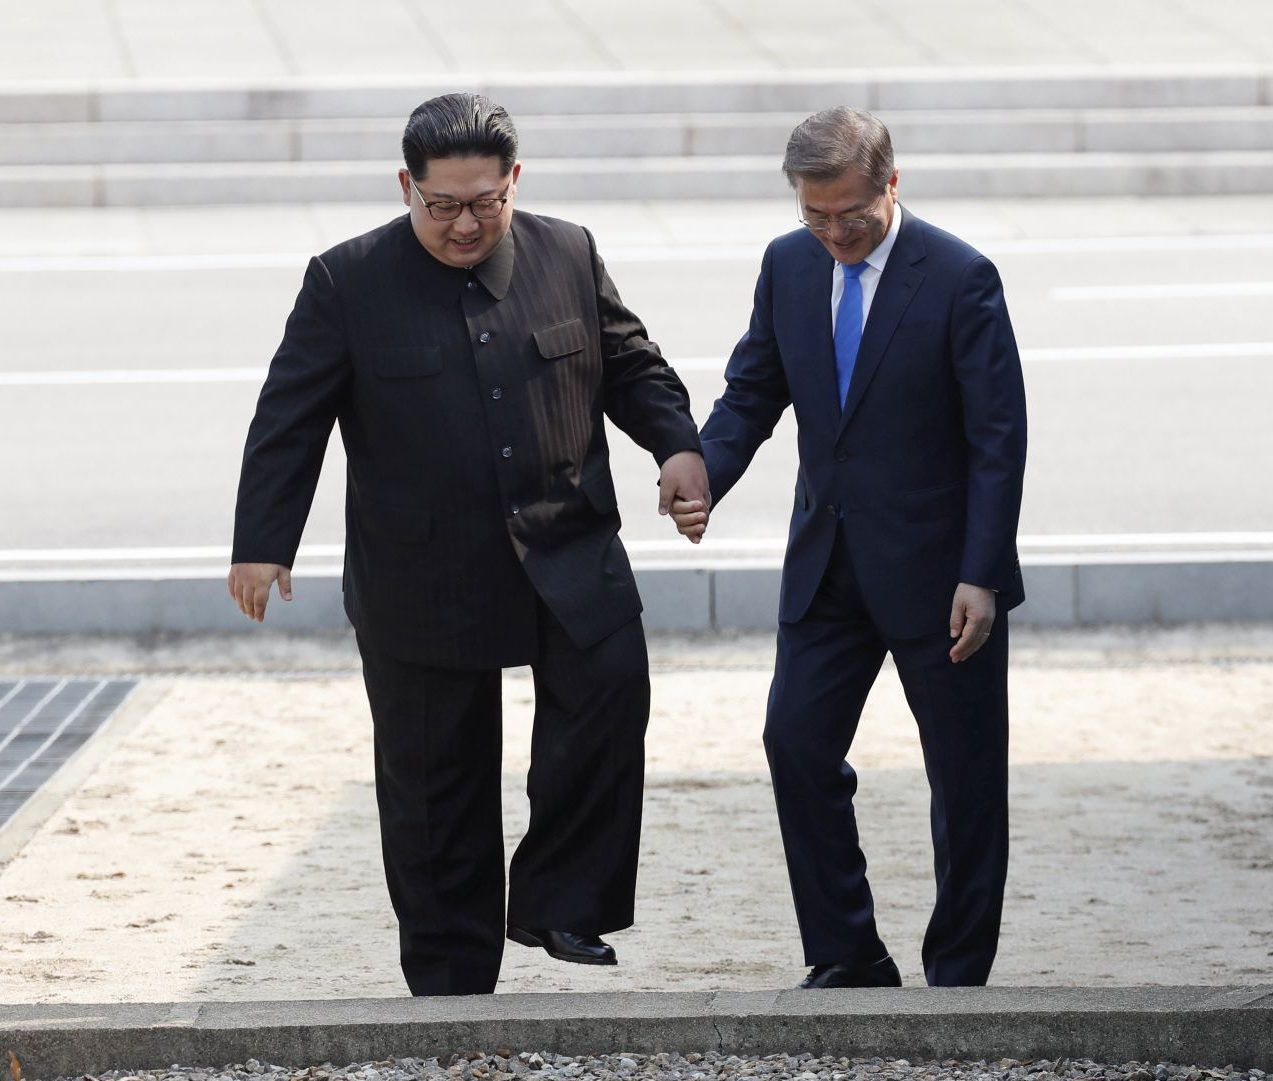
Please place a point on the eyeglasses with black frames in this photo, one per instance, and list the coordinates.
(450, 209)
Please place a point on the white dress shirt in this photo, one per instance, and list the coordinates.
(870, 277)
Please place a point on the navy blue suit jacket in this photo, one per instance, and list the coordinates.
(925, 461)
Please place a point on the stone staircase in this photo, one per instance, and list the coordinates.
(1056, 133)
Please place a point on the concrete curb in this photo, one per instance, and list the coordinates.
(947, 176)
(641, 135)
(653, 91)
(721, 596)
(1205, 1026)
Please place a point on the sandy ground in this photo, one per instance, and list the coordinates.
(225, 845)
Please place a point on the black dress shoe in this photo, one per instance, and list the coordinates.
(566, 945)
(882, 973)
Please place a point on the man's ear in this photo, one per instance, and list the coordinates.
(404, 181)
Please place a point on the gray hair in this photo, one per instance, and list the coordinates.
(829, 143)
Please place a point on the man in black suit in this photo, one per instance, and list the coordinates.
(469, 354)
(892, 341)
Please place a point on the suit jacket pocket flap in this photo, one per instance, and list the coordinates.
(407, 361)
(943, 502)
(561, 339)
(598, 488)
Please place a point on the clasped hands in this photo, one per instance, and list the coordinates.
(684, 493)
(972, 610)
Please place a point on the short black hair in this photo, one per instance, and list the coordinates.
(458, 125)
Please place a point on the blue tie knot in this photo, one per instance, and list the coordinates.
(854, 270)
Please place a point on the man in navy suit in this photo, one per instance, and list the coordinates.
(892, 341)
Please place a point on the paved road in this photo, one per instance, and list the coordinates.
(243, 40)
(1145, 324)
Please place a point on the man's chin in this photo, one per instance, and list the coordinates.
(850, 253)
(464, 255)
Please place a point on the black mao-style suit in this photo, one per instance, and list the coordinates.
(908, 488)
(481, 533)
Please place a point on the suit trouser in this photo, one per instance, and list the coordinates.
(437, 756)
(826, 665)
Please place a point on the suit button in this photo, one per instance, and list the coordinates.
(841, 455)
(484, 337)
(515, 508)
(470, 284)
(832, 509)
(497, 393)
(507, 452)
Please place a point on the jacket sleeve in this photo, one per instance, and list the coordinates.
(287, 439)
(756, 393)
(642, 395)
(992, 390)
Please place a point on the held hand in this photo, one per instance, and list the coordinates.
(690, 516)
(972, 614)
(684, 477)
(249, 585)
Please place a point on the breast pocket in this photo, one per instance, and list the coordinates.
(406, 361)
(561, 339)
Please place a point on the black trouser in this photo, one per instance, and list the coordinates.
(826, 664)
(437, 749)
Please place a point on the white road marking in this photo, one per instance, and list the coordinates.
(43, 564)
(155, 376)
(124, 555)
(106, 376)
(1172, 351)
(1200, 351)
(98, 264)
(668, 252)
(1181, 291)
(1084, 245)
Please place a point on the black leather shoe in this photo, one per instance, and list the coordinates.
(882, 973)
(566, 945)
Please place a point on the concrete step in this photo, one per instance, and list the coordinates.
(637, 92)
(1063, 589)
(656, 177)
(643, 135)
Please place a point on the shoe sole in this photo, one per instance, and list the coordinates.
(522, 938)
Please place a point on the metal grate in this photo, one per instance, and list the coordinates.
(43, 722)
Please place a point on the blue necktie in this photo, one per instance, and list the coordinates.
(848, 326)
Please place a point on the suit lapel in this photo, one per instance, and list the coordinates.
(814, 295)
(897, 287)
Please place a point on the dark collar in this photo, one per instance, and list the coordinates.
(496, 270)
(444, 282)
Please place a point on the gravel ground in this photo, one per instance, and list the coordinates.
(504, 1064)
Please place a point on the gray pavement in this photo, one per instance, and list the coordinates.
(77, 41)
(118, 327)
(132, 344)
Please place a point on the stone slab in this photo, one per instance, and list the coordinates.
(676, 598)
(1206, 1026)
